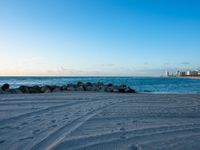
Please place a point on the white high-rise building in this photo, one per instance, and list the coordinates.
(192, 73)
(167, 74)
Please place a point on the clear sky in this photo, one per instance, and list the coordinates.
(98, 37)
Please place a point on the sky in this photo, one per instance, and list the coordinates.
(98, 37)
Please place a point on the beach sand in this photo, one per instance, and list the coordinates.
(99, 121)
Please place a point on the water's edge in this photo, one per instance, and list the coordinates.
(156, 85)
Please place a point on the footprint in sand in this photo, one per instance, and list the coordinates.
(133, 147)
(53, 121)
(122, 129)
(36, 131)
(53, 126)
(26, 138)
(119, 124)
(2, 141)
(36, 120)
(24, 124)
(123, 137)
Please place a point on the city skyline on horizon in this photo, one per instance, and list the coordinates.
(98, 38)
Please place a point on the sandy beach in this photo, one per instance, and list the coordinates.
(92, 120)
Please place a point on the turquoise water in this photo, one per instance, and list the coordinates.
(140, 84)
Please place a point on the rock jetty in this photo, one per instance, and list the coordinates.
(79, 86)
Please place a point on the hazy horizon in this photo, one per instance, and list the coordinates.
(98, 38)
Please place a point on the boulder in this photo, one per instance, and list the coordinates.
(102, 88)
(63, 88)
(81, 88)
(129, 90)
(14, 91)
(24, 89)
(45, 89)
(34, 89)
(110, 84)
(99, 84)
(147, 91)
(5, 86)
(115, 89)
(79, 83)
(1, 91)
(57, 89)
(88, 84)
(108, 89)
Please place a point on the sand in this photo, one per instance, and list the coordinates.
(99, 121)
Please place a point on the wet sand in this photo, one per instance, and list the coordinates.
(91, 120)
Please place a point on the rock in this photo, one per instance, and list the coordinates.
(81, 88)
(129, 90)
(79, 84)
(99, 84)
(102, 88)
(56, 89)
(110, 84)
(1, 91)
(108, 89)
(88, 84)
(147, 91)
(91, 88)
(14, 91)
(71, 87)
(34, 89)
(45, 89)
(115, 89)
(63, 88)
(52, 87)
(5, 86)
(24, 89)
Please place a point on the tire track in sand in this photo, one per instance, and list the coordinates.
(17, 118)
(56, 137)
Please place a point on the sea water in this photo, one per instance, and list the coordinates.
(140, 84)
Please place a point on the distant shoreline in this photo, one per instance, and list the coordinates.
(191, 77)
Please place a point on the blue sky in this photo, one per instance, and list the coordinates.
(99, 37)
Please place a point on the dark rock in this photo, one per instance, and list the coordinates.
(45, 89)
(147, 91)
(99, 84)
(34, 89)
(110, 84)
(5, 86)
(79, 84)
(14, 91)
(108, 89)
(24, 89)
(1, 91)
(63, 88)
(115, 89)
(52, 87)
(81, 88)
(57, 89)
(88, 84)
(129, 90)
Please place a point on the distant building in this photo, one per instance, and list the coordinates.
(180, 73)
(167, 74)
(191, 73)
(183, 73)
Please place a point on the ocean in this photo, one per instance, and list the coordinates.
(140, 84)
